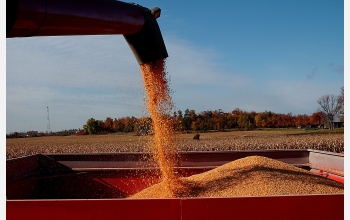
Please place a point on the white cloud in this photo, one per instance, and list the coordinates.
(98, 76)
(192, 65)
(89, 61)
(79, 77)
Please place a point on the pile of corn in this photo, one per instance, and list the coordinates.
(250, 176)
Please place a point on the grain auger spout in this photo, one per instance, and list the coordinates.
(138, 25)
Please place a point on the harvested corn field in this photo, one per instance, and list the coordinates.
(332, 142)
(211, 141)
(249, 176)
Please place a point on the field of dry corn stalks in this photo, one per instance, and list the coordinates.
(213, 141)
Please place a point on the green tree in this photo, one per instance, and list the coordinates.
(92, 126)
(187, 121)
(129, 124)
(193, 115)
(245, 121)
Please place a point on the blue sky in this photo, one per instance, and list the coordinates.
(254, 55)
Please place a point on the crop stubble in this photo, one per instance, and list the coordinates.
(216, 141)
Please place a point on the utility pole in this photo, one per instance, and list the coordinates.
(48, 121)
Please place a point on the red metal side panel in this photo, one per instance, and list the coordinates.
(25, 189)
(20, 167)
(338, 177)
(218, 158)
(129, 186)
(94, 209)
(277, 207)
(329, 160)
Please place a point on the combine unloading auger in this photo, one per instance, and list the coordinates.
(138, 25)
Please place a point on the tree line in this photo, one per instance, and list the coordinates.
(207, 120)
(330, 107)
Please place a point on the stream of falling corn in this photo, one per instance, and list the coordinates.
(160, 105)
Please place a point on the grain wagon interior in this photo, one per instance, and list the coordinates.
(101, 176)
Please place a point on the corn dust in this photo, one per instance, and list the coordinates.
(159, 104)
(250, 176)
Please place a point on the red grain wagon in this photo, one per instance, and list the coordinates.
(95, 186)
